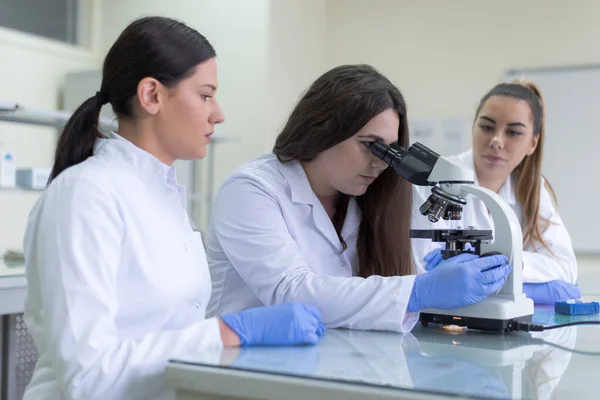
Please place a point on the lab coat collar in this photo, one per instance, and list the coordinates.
(143, 162)
(294, 174)
(302, 193)
(506, 191)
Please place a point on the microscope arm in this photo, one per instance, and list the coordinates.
(424, 167)
(508, 238)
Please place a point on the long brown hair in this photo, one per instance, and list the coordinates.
(529, 171)
(335, 107)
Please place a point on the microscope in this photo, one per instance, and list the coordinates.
(451, 182)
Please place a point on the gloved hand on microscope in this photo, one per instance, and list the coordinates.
(540, 293)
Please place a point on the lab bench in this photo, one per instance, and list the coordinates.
(427, 363)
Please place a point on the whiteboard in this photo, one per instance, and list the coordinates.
(572, 148)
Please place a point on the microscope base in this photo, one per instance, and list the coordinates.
(486, 324)
(495, 313)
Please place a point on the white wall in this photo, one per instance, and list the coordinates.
(444, 55)
(32, 72)
(297, 56)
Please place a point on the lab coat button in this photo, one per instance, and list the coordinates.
(198, 305)
(168, 191)
(343, 263)
(185, 247)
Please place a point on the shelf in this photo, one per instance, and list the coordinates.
(13, 112)
(11, 268)
(20, 190)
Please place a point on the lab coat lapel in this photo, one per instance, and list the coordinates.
(352, 219)
(302, 193)
(324, 225)
(507, 192)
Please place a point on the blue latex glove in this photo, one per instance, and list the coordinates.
(434, 258)
(283, 324)
(464, 280)
(551, 292)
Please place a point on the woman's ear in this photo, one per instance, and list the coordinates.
(149, 95)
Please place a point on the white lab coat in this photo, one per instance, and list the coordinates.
(117, 280)
(539, 265)
(270, 241)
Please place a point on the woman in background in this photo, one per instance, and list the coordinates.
(507, 152)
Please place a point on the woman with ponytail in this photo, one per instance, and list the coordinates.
(507, 153)
(118, 281)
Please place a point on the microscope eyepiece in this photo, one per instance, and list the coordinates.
(388, 154)
(415, 165)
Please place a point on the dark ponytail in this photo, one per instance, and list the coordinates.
(76, 143)
(158, 47)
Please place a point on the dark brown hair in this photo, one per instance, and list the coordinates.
(336, 106)
(156, 47)
(530, 169)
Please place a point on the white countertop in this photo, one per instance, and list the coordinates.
(427, 362)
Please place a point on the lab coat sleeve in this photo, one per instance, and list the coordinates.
(250, 227)
(76, 250)
(540, 265)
